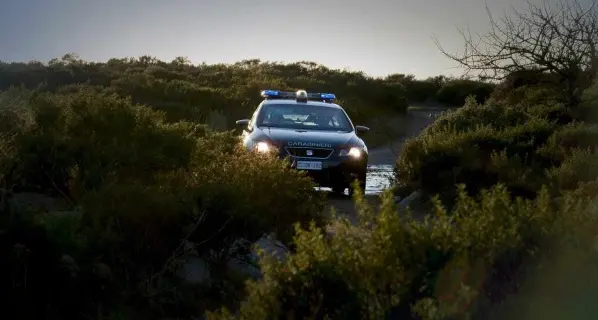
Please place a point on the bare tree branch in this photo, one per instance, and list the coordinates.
(561, 40)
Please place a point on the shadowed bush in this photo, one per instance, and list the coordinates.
(142, 193)
(453, 152)
(455, 92)
(484, 252)
(479, 145)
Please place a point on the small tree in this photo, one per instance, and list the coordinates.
(560, 39)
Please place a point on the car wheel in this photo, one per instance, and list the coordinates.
(340, 190)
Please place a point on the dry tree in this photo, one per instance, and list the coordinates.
(557, 39)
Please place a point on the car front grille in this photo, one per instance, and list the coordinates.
(316, 153)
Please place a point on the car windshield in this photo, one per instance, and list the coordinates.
(307, 117)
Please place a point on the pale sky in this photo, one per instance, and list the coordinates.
(378, 37)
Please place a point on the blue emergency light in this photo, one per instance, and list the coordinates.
(270, 93)
(328, 96)
(278, 94)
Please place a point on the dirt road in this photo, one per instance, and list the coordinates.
(417, 120)
(381, 163)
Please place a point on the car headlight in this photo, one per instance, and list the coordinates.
(262, 147)
(352, 152)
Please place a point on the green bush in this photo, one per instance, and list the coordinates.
(483, 144)
(569, 138)
(499, 115)
(453, 151)
(440, 89)
(192, 92)
(580, 167)
(82, 139)
(522, 142)
(530, 85)
(40, 278)
(213, 206)
(455, 92)
(473, 115)
(468, 262)
(590, 103)
(143, 192)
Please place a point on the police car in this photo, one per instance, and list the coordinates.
(313, 133)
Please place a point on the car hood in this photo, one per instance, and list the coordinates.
(309, 138)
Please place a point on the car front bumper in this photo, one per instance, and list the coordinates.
(335, 172)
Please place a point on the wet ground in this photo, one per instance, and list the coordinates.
(378, 179)
(382, 160)
(381, 163)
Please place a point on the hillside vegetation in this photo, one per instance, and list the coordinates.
(220, 94)
(114, 177)
(114, 174)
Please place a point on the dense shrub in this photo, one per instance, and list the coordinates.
(569, 138)
(450, 92)
(590, 103)
(82, 139)
(477, 153)
(479, 145)
(526, 83)
(455, 92)
(141, 193)
(473, 115)
(452, 265)
(191, 92)
(581, 166)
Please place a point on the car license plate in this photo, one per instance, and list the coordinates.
(309, 165)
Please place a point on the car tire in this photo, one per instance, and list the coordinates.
(340, 190)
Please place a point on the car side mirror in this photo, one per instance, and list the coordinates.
(361, 129)
(242, 123)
